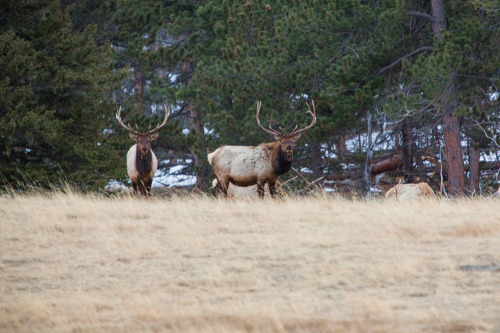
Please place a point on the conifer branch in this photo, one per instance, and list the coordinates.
(397, 61)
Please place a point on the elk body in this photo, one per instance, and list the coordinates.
(405, 192)
(234, 191)
(257, 165)
(141, 160)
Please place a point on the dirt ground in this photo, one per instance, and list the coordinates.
(79, 263)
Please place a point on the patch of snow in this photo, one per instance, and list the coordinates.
(115, 185)
(171, 179)
(305, 170)
(173, 77)
(490, 157)
(427, 163)
(348, 166)
(168, 177)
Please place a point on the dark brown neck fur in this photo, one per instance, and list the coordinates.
(283, 166)
(143, 166)
(278, 158)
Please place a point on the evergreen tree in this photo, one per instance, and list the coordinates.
(459, 72)
(54, 106)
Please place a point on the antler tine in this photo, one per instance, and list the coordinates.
(280, 131)
(269, 131)
(313, 113)
(159, 126)
(127, 127)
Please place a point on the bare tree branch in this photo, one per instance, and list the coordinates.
(486, 134)
(397, 61)
(475, 77)
(490, 10)
(421, 15)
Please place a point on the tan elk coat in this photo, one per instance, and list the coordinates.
(248, 165)
(404, 192)
(132, 167)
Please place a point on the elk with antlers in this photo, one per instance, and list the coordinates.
(257, 165)
(141, 161)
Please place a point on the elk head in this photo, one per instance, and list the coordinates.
(143, 140)
(287, 141)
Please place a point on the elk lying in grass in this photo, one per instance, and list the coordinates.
(257, 165)
(410, 191)
(141, 160)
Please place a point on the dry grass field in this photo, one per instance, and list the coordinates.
(79, 263)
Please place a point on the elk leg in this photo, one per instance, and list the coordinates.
(148, 187)
(134, 186)
(223, 185)
(272, 189)
(142, 188)
(217, 190)
(260, 188)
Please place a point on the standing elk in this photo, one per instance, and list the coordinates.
(257, 165)
(141, 160)
(234, 191)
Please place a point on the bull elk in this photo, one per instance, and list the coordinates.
(257, 165)
(141, 160)
(234, 191)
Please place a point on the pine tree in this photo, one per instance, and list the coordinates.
(462, 65)
(54, 87)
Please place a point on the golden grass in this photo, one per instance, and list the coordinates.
(70, 262)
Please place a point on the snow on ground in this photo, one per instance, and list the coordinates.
(172, 178)
(164, 177)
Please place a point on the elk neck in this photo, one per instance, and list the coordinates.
(282, 165)
(143, 165)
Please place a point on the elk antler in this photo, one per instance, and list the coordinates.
(313, 113)
(127, 127)
(270, 130)
(136, 132)
(158, 127)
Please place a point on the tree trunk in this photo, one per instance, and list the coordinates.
(341, 146)
(139, 89)
(408, 154)
(315, 165)
(453, 153)
(474, 169)
(451, 123)
(369, 157)
(439, 17)
(199, 150)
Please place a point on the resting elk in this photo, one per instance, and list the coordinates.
(405, 192)
(141, 160)
(257, 165)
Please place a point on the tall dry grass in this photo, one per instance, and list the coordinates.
(71, 262)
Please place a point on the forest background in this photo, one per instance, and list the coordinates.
(405, 90)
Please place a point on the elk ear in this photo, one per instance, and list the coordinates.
(296, 137)
(133, 136)
(154, 136)
(277, 138)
